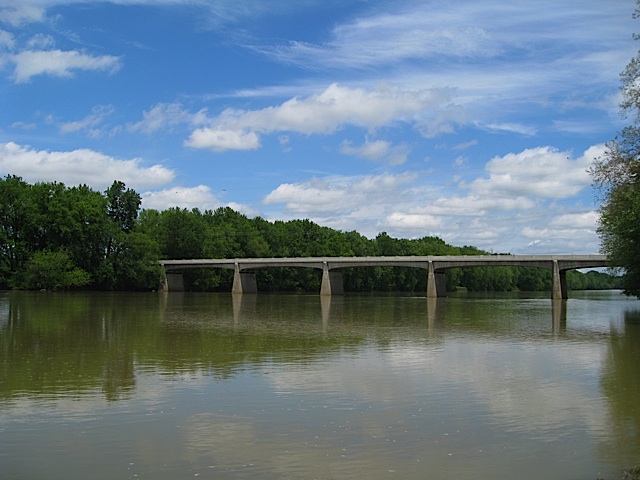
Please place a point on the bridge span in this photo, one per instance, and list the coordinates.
(244, 279)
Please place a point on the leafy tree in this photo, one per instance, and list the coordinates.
(16, 226)
(129, 260)
(83, 226)
(181, 233)
(53, 271)
(531, 279)
(122, 205)
(133, 265)
(616, 173)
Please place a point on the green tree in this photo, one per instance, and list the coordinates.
(122, 205)
(616, 174)
(133, 264)
(181, 233)
(53, 271)
(131, 251)
(17, 226)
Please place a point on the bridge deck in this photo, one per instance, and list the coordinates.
(244, 268)
(443, 261)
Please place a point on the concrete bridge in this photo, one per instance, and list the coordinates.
(244, 279)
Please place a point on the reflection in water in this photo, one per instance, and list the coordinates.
(559, 315)
(621, 383)
(303, 386)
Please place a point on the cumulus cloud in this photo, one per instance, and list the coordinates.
(58, 63)
(562, 239)
(337, 194)
(80, 166)
(443, 121)
(414, 221)
(337, 106)
(380, 150)
(543, 172)
(184, 197)
(200, 197)
(514, 205)
(223, 139)
(587, 220)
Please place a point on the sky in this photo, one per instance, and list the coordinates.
(475, 121)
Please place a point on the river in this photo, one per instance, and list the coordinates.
(221, 386)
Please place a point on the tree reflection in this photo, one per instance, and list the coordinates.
(621, 385)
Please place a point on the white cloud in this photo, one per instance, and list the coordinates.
(414, 221)
(24, 126)
(498, 61)
(58, 63)
(165, 116)
(562, 239)
(220, 140)
(514, 209)
(386, 38)
(91, 123)
(40, 42)
(480, 204)
(184, 197)
(331, 195)
(377, 150)
(79, 167)
(543, 172)
(462, 31)
(324, 113)
(465, 145)
(585, 220)
(460, 161)
(17, 12)
(443, 121)
(200, 197)
(527, 130)
(6, 40)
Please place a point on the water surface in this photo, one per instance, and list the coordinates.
(178, 385)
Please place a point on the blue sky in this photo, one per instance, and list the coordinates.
(471, 120)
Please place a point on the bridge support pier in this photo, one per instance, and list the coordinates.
(244, 282)
(331, 282)
(172, 282)
(559, 289)
(436, 283)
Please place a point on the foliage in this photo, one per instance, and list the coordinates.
(48, 270)
(616, 174)
(103, 235)
(58, 232)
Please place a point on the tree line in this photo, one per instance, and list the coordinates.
(56, 237)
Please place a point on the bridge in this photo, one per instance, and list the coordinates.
(244, 278)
